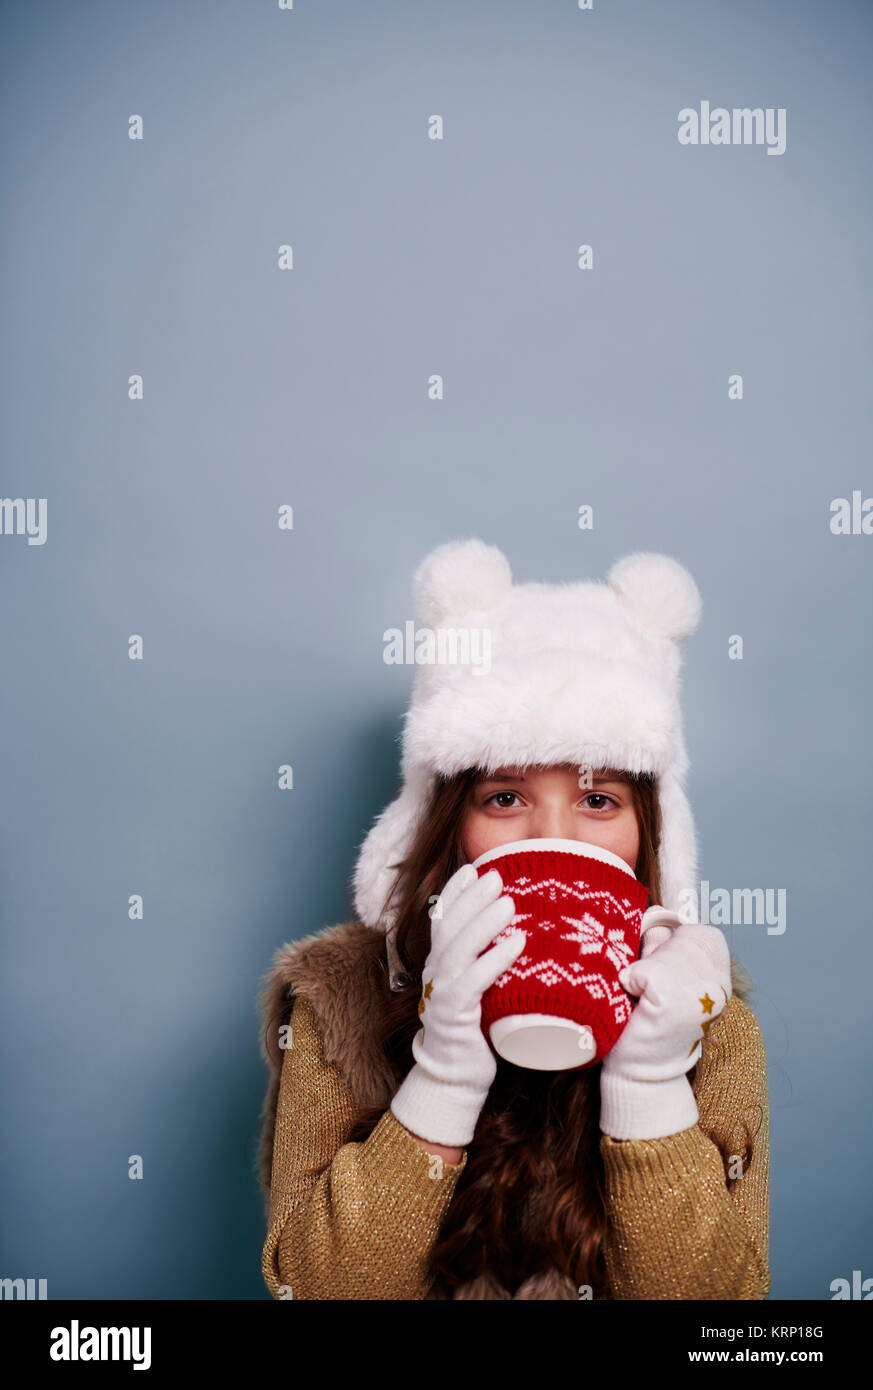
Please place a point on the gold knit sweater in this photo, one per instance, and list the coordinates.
(362, 1227)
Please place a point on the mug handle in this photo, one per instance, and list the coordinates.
(657, 926)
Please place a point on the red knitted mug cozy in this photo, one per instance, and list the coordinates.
(582, 917)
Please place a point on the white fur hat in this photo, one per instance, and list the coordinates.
(585, 672)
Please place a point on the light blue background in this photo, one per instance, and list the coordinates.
(308, 387)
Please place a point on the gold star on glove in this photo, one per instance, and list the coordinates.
(426, 995)
(707, 1005)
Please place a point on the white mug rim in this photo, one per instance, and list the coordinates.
(581, 847)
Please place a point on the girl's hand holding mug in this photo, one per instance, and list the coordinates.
(441, 1097)
(684, 983)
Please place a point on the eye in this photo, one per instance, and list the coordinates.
(494, 795)
(600, 796)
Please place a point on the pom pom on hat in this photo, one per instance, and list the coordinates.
(459, 577)
(660, 592)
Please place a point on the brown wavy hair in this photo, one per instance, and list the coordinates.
(532, 1193)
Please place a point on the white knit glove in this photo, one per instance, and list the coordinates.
(441, 1097)
(684, 984)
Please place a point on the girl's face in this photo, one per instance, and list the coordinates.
(548, 803)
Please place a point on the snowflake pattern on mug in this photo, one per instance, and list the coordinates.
(581, 935)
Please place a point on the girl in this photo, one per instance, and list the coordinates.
(402, 1158)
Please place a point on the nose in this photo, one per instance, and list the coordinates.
(553, 823)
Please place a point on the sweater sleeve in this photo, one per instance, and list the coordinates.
(677, 1228)
(362, 1226)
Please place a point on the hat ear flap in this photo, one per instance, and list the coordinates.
(660, 592)
(459, 577)
(678, 852)
(386, 843)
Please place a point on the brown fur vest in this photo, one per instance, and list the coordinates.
(342, 971)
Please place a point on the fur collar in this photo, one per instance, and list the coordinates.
(334, 970)
(342, 971)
